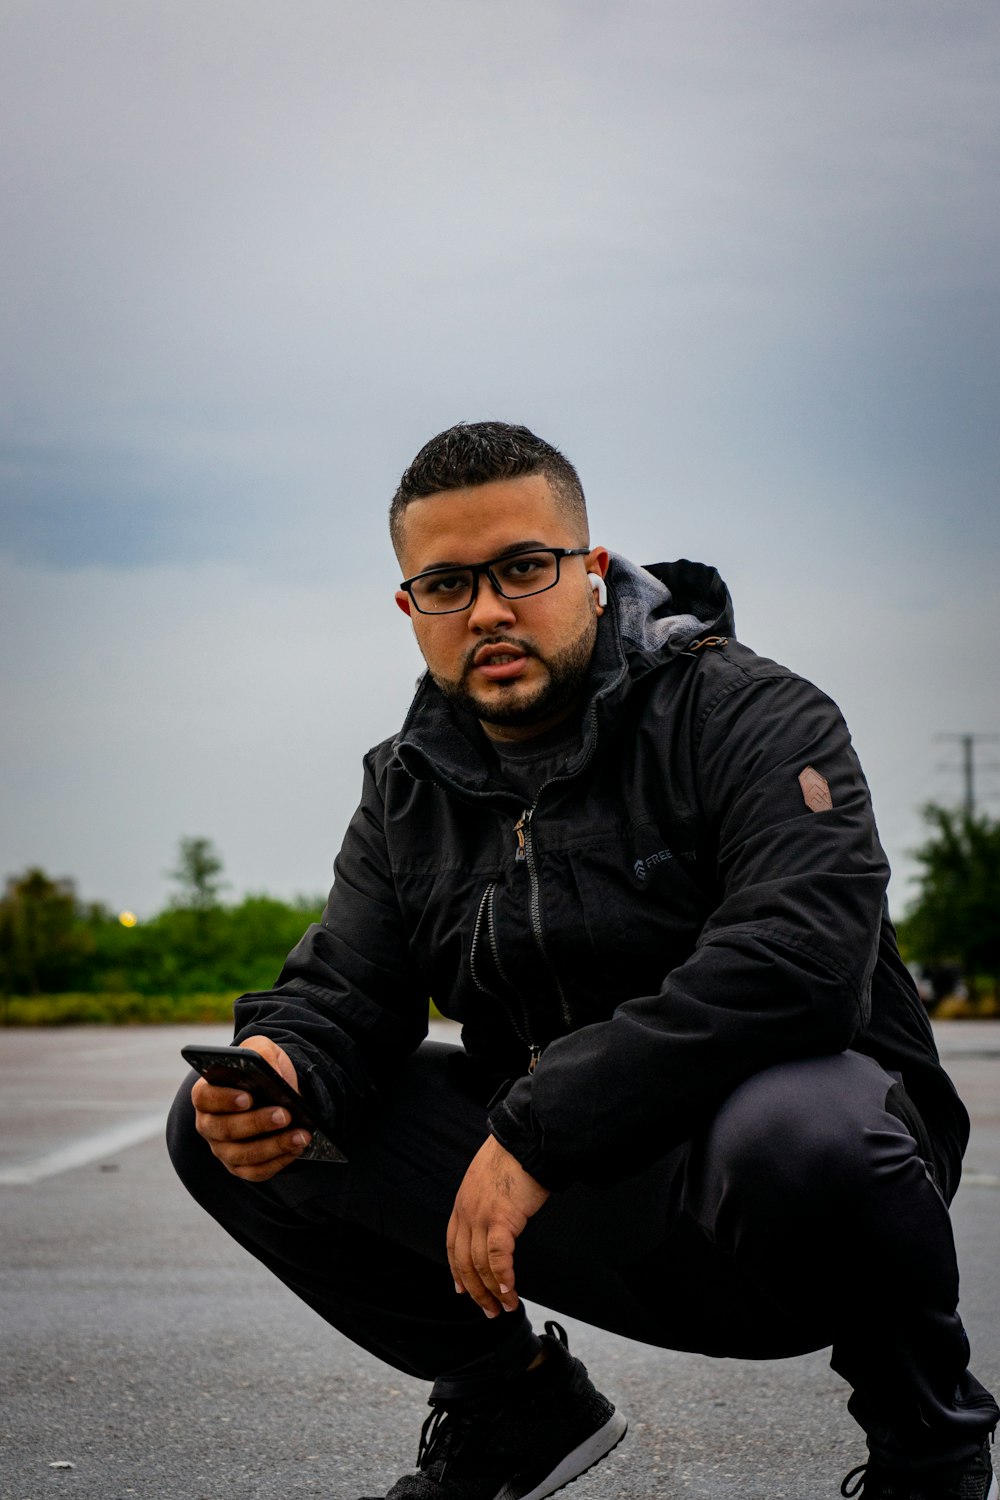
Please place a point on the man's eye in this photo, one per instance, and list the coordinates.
(450, 583)
(521, 568)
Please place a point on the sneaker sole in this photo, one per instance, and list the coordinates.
(597, 1446)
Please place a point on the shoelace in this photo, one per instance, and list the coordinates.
(443, 1435)
(445, 1430)
(861, 1474)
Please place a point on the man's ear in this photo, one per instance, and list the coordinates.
(403, 600)
(598, 561)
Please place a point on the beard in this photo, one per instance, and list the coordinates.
(511, 703)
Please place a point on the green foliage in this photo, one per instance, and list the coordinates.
(237, 948)
(44, 935)
(53, 944)
(956, 915)
(127, 1009)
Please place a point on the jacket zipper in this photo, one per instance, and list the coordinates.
(485, 915)
(526, 855)
(525, 852)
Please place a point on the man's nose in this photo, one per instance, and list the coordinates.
(489, 608)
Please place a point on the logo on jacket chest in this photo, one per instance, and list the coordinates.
(649, 865)
(643, 867)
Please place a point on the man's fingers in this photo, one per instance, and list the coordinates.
(262, 1171)
(255, 1156)
(495, 1200)
(467, 1277)
(493, 1258)
(253, 1144)
(480, 1294)
(473, 1270)
(463, 1268)
(262, 1157)
(209, 1098)
(241, 1127)
(450, 1242)
(261, 1149)
(500, 1250)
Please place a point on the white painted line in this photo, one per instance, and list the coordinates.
(80, 1153)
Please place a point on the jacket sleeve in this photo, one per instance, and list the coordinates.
(782, 967)
(346, 1007)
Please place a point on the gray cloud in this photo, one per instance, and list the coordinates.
(741, 263)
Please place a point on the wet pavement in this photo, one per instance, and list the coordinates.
(143, 1349)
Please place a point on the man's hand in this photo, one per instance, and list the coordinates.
(249, 1142)
(495, 1201)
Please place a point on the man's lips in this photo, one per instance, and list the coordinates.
(500, 663)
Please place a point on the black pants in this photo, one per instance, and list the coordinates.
(803, 1216)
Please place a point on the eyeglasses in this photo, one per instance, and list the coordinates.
(447, 591)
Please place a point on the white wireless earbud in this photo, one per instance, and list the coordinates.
(600, 588)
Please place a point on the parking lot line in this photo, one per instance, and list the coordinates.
(79, 1153)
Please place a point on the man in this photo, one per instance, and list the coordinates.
(697, 1102)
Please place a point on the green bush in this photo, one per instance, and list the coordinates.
(117, 1009)
(52, 944)
(66, 962)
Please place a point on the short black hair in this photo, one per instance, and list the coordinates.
(473, 453)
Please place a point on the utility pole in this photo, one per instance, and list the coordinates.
(968, 744)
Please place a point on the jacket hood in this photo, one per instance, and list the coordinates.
(653, 613)
(662, 607)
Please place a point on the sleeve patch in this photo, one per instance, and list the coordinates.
(815, 790)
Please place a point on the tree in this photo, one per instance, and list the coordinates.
(199, 865)
(43, 942)
(196, 919)
(956, 914)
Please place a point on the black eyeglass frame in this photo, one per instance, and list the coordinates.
(478, 569)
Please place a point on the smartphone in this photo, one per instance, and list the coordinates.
(242, 1068)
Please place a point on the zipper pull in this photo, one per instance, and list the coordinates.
(536, 1053)
(519, 828)
(707, 640)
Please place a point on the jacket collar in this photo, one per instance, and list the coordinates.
(653, 613)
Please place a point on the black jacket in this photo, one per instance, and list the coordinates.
(680, 908)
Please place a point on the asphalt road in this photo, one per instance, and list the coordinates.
(158, 1360)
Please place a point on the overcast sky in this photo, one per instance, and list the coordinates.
(739, 260)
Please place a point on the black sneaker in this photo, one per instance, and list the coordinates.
(972, 1479)
(547, 1430)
